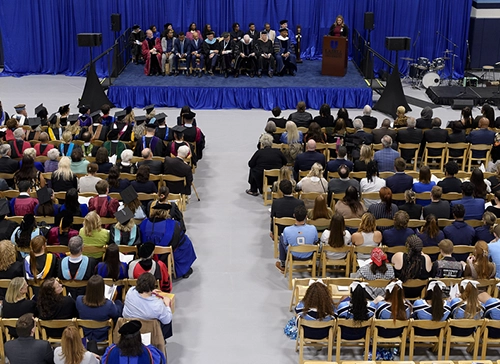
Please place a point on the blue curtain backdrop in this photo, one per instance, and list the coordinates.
(40, 36)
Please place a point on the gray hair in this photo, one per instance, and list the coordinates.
(357, 124)
(53, 154)
(367, 110)
(266, 140)
(146, 153)
(411, 122)
(4, 149)
(270, 127)
(386, 123)
(183, 151)
(127, 155)
(386, 141)
(75, 245)
(19, 133)
(30, 152)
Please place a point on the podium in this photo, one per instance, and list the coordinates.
(334, 61)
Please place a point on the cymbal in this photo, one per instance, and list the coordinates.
(407, 59)
(448, 51)
(446, 57)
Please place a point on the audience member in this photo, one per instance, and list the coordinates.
(117, 184)
(393, 306)
(400, 182)
(40, 264)
(385, 157)
(62, 231)
(63, 179)
(87, 183)
(424, 184)
(414, 264)
(292, 135)
(131, 200)
(434, 135)
(481, 136)
(447, 266)
(304, 161)
(474, 207)
(494, 248)
(410, 206)
(457, 136)
(495, 180)
(356, 307)
(125, 231)
(432, 306)
(24, 204)
(285, 206)
(47, 205)
(378, 268)
(384, 209)
(401, 119)
(478, 265)
(439, 208)
(279, 121)
(102, 160)
(28, 172)
(43, 147)
(369, 121)
(385, 129)
(26, 231)
(7, 164)
(339, 185)
(430, 233)
(350, 206)
(344, 115)
(18, 145)
(284, 174)
(126, 165)
(325, 118)
(146, 264)
(371, 183)
(78, 164)
(410, 135)
(72, 349)
(365, 157)
(367, 234)
(142, 183)
(178, 166)
(485, 232)
(114, 145)
(313, 182)
(425, 119)
(336, 236)
(93, 234)
(334, 165)
(398, 234)
(459, 232)
(10, 267)
(52, 164)
(111, 267)
(481, 186)
(320, 210)
(16, 303)
(72, 205)
(467, 306)
(102, 204)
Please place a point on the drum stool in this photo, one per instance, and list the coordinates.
(489, 72)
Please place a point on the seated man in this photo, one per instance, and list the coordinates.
(151, 51)
(285, 206)
(196, 54)
(26, 349)
(339, 185)
(135, 40)
(435, 135)
(385, 129)
(155, 167)
(178, 167)
(150, 141)
(400, 181)
(397, 235)
(437, 207)
(76, 266)
(369, 121)
(410, 135)
(24, 204)
(245, 56)
(265, 57)
(211, 53)
(385, 157)
(481, 136)
(474, 207)
(284, 52)
(459, 232)
(18, 145)
(299, 234)
(104, 205)
(447, 266)
(304, 161)
(333, 165)
(167, 46)
(226, 50)
(181, 52)
(450, 183)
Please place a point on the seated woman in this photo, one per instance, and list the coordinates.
(482, 186)
(72, 349)
(365, 157)
(270, 129)
(314, 132)
(131, 200)
(146, 303)
(424, 184)
(142, 182)
(67, 145)
(87, 183)
(314, 182)
(485, 232)
(350, 206)
(320, 210)
(47, 203)
(52, 305)
(467, 306)
(102, 204)
(433, 306)
(117, 184)
(478, 265)
(367, 234)
(52, 164)
(62, 231)
(175, 213)
(78, 164)
(22, 235)
(495, 205)
(125, 231)
(163, 231)
(379, 268)
(130, 346)
(15, 303)
(317, 304)
(372, 183)
(400, 232)
(430, 233)
(146, 263)
(39, 264)
(292, 135)
(63, 179)
(94, 306)
(414, 210)
(126, 165)
(356, 307)
(111, 267)
(102, 160)
(336, 236)
(28, 172)
(93, 234)
(384, 209)
(285, 174)
(393, 306)
(72, 205)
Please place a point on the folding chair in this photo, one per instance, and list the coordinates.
(414, 148)
(397, 337)
(325, 342)
(309, 264)
(421, 325)
(459, 147)
(160, 250)
(456, 337)
(92, 325)
(364, 329)
(427, 160)
(490, 337)
(43, 325)
(344, 262)
(266, 185)
(481, 148)
(277, 221)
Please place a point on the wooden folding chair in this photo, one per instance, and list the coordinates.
(277, 221)
(309, 264)
(352, 223)
(160, 250)
(475, 148)
(92, 325)
(454, 337)
(451, 196)
(331, 175)
(414, 148)
(416, 339)
(325, 342)
(345, 262)
(385, 223)
(118, 283)
(413, 223)
(320, 224)
(303, 174)
(386, 175)
(474, 223)
(427, 160)
(354, 255)
(459, 147)
(43, 325)
(490, 337)
(299, 289)
(364, 329)
(72, 284)
(267, 186)
(390, 340)
(57, 249)
(414, 284)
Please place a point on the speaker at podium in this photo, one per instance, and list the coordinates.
(334, 62)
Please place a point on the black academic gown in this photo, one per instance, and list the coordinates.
(154, 143)
(164, 133)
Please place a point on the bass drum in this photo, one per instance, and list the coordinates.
(431, 79)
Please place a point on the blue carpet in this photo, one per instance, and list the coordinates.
(133, 88)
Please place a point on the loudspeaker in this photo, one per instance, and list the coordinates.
(459, 104)
(397, 43)
(89, 39)
(116, 22)
(369, 21)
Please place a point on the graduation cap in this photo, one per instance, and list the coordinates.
(283, 30)
(4, 207)
(34, 122)
(64, 219)
(128, 110)
(160, 117)
(149, 108)
(263, 32)
(124, 216)
(120, 115)
(83, 109)
(64, 109)
(145, 250)
(95, 116)
(44, 195)
(20, 107)
(284, 21)
(131, 328)
(39, 109)
(179, 129)
(136, 27)
(128, 195)
(53, 118)
(162, 206)
(151, 124)
(73, 118)
(113, 134)
(140, 119)
(189, 115)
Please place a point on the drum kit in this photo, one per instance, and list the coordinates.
(423, 71)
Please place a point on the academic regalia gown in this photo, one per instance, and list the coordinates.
(125, 134)
(150, 355)
(246, 49)
(164, 133)
(99, 132)
(195, 135)
(265, 48)
(284, 45)
(114, 148)
(147, 56)
(154, 143)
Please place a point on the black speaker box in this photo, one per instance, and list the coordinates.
(116, 22)
(397, 43)
(369, 19)
(89, 39)
(459, 104)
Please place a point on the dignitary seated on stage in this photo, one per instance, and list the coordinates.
(181, 52)
(284, 50)
(245, 56)
(210, 50)
(227, 48)
(196, 55)
(167, 46)
(265, 55)
(151, 51)
(136, 38)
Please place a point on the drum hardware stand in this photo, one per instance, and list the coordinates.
(453, 54)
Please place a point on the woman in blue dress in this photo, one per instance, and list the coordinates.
(161, 230)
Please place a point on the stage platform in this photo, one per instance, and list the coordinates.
(444, 95)
(133, 88)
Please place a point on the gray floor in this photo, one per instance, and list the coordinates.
(235, 305)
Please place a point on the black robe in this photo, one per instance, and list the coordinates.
(154, 143)
(164, 133)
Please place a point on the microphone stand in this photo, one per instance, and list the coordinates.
(450, 80)
(413, 83)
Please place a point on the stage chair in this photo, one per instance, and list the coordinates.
(309, 265)
(283, 221)
(92, 324)
(160, 250)
(425, 339)
(345, 262)
(272, 174)
(414, 148)
(390, 340)
(472, 339)
(478, 147)
(43, 325)
(490, 338)
(325, 342)
(364, 330)
(426, 159)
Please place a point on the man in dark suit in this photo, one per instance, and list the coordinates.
(450, 183)
(368, 120)
(437, 207)
(8, 165)
(379, 133)
(279, 121)
(425, 119)
(304, 161)
(177, 167)
(481, 136)
(435, 135)
(356, 140)
(359, 133)
(283, 207)
(400, 181)
(474, 207)
(155, 167)
(26, 349)
(334, 165)
(410, 135)
(182, 47)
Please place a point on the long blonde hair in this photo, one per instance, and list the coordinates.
(64, 169)
(7, 254)
(365, 154)
(91, 223)
(316, 171)
(367, 224)
(15, 285)
(292, 133)
(71, 344)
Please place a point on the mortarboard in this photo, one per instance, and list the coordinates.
(64, 109)
(95, 116)
(20, 107)
(128, 110)
(263, 32)
(179, 129)
(83, 109)
(131, 328)
(283, 30)
(136, 27)
(120, 115)
(151, 124)
(149, 108)
(73, 118)
(124, 216)
(113, 134)
(189, 115)
(44, 195)
(162, 206)
(34, 122)
(140, 119)
(39, 108)
(128, 195)
(145, 250)
(53, 118)
(160, 117)
(4, 207)
(283, 22)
